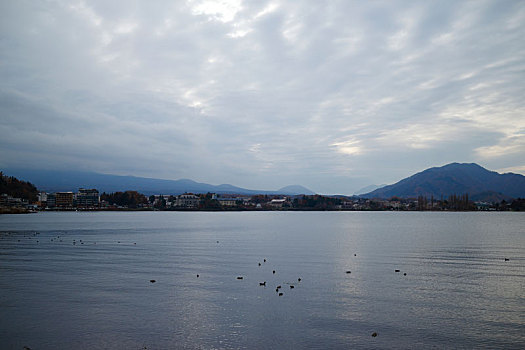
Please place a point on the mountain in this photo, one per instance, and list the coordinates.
(54, 181)
(368, 188)
(456, 178)
(295, 190)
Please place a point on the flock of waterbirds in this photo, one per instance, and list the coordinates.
(278, 288)
(34, 234)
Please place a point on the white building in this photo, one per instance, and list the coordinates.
(278, 203)
(228, 202)
(187, 200)
(42, 197)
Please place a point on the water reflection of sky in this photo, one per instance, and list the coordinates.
(458, 288)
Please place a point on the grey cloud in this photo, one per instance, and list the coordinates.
(334, 96)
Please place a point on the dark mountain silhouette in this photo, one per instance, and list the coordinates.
(54, 180)
(456, 178)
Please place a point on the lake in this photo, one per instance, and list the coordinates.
(81, 280)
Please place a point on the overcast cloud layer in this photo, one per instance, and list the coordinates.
(331, 95)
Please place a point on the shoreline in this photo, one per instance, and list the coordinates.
(26, 211)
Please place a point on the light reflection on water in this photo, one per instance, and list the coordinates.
(458, 290)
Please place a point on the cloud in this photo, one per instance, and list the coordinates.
(508, 146)
(334, 96)
(350, 147)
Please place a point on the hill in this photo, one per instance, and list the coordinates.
(13, 187)
(456, 178)
(295, 190)
(53, 181)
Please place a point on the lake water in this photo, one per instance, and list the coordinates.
(83, 282)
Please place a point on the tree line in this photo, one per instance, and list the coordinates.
(131, 199)
(17, 188)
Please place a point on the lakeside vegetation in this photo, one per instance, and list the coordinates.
(130, 199)
(13, 187)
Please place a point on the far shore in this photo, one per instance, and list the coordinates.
(70, 210)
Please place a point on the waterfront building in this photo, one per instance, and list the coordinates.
(278, 203)
(228, 202)
(87, 198)
(63, 199)
(187, 200)
(51, 200)
(42, 197)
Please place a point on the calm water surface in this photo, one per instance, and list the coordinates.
(82, 280)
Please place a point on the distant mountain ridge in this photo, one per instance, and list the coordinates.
(295, 190)
(456, 178)
(53, 181)
(368, 188)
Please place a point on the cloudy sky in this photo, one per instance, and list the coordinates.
(332, 95)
